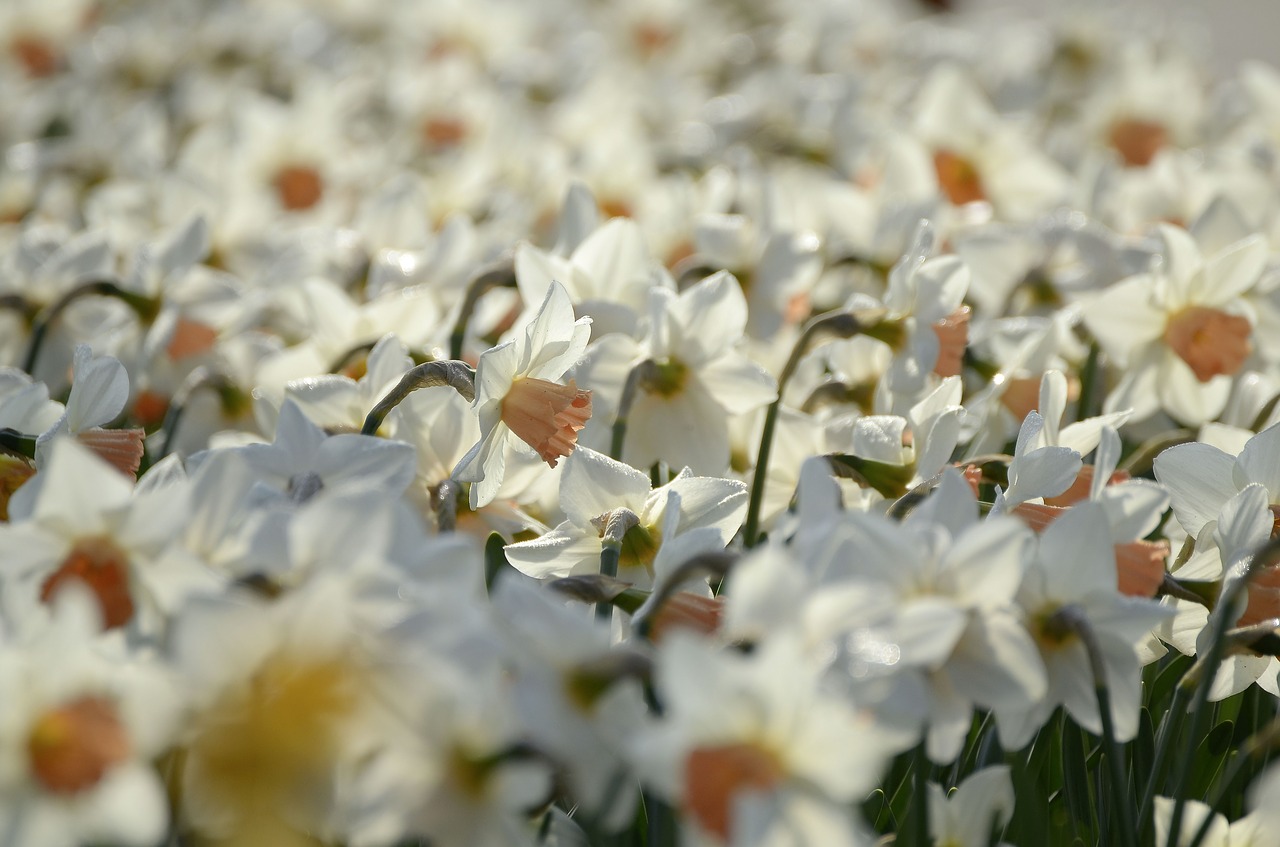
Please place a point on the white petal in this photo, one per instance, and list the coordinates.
(99, 391)
(710, 317)
(564, 550)
(1199, 481)
(593, 484)
(1133, 508)
(1259, 461)
(737, 383)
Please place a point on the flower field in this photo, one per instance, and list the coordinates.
(476, 423)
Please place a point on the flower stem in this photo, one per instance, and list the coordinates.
(199, 379)
(841, 324)
(1168, 731)
(614, 529)
(500, 274)
(457, 375)
(446, 503)
(1077, 621)
(145, 307)
(1253, 750)
(639, 375)
(1203, 673)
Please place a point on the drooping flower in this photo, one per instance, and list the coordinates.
(517, 396)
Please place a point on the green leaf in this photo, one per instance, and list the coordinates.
(495, 560)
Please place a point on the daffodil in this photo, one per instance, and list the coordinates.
(517, 398)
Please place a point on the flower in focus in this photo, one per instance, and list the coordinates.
(516, 396)
(676, 521)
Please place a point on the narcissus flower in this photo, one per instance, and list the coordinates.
(1182, 331)
(517, 396)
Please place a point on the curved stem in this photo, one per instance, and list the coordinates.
(18, 443)
(614, 529)
(199, 379)
(639, 375)
(842, 325)
(501, 274)
(457, 375)
(716, 563)
(145, 307)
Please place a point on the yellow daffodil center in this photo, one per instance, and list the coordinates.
(72, 747)
(103, 568)
(715, 776)
(276, 735)
(668, 377)
(1211, 342)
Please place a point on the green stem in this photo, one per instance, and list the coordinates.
(446, 503)
(145, 307)
(919, 809)
(1119, 779)
(498, 275)
(457, 375)
(1202, 676)
(199, 379)
(1088, 383)
(18, 443)
(639, 375)
(841, 324)
(1168, 731)
(614, 529)
(1253, 750)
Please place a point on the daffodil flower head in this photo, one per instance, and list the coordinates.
(517, 395)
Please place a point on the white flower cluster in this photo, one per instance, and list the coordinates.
(490, 423)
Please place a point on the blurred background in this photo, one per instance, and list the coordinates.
(1225, 32)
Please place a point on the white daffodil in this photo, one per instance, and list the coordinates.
(981, 803)
(608, 276)
(938, 592)
(1243, 524)
(1038, 469)
(1247, 831)
(304, 460)
(79, 726)
(925, 302)
(1201, 478)
(78, 522)
(978, 156)
(700, 377)
(1075, 575)
(341, 402)
(1134, 508)
(752, 750)
(564, 686)
(1181, 331)
(99, 392)
(517, 397)
(687, 516)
